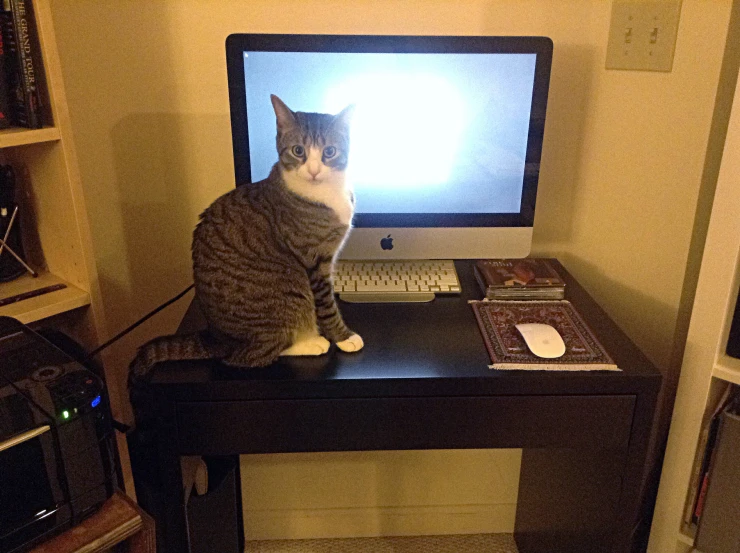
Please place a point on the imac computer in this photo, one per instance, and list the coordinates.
(445, 141)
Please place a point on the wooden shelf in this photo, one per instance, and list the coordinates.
(17, 136)
(727, 368)
(686, 540)
(119, 519)
(46, 305)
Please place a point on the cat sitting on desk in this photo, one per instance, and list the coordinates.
(263, 256)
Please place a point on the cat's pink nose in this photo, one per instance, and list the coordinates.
(314, 171)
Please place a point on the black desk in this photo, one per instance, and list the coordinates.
(422, 382)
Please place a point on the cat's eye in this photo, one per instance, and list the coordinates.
(298, 151)
(330, 152)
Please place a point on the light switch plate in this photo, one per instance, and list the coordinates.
(642, 35)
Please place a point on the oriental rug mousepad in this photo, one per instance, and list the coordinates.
(509, 351)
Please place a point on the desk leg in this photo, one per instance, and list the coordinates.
(215, 519)
(568, 500)
(632, 509)
(174, 531)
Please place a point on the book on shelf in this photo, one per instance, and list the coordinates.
(528, 278)
(22, 63)
(701, 470)
(5, 115)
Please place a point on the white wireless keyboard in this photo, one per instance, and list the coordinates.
(370, 281)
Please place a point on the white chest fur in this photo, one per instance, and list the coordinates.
(332, 191)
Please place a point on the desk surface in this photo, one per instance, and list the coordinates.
(412, 349)
(422, 382)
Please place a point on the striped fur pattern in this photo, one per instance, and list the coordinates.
(263, 255)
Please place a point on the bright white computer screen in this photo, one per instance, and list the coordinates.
(431, 133)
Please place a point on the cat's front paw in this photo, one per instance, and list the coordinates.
(353, 343)
(314, 345)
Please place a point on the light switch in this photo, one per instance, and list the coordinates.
(642, 35)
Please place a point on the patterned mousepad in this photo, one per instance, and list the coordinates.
(507, 348)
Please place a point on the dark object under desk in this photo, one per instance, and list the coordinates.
(422, 382)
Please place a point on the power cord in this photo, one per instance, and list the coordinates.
(146, 317)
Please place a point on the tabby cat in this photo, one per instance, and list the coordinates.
(263, 256)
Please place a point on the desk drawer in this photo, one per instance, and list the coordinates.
(224, 428)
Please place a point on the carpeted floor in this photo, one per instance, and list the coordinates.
(474, 543)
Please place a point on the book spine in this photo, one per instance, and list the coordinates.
(705, 467)
(481, 281)
(16, 105)
(23, 23)
(695, 481)
(5, 116)
(700, 499)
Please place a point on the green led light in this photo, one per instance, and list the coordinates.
(65, 414)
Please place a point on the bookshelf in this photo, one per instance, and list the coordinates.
(53, 218)
(706, 369)
(54, 223)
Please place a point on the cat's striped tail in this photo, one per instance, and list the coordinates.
(188, 347)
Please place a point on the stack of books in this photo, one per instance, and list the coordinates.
(519, 279)
(20, 67)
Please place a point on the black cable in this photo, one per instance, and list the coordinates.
(121, 334)
(122, 428)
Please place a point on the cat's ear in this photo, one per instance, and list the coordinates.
(285, 117)
(344, 117)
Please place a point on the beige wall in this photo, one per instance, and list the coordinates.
(622, 166)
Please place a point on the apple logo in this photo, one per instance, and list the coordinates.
(386, 243)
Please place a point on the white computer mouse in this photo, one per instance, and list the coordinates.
(542, 340)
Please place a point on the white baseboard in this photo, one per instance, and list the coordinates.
(379, 521)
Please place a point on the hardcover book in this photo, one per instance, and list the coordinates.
(23, 62)
(519, 278)
(5, 117)
(508, 350)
